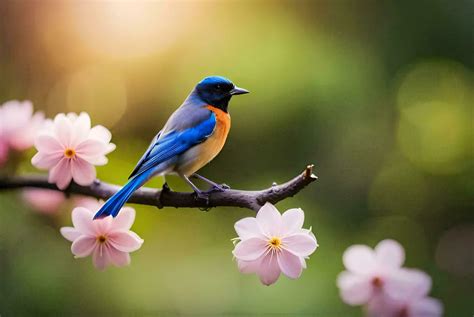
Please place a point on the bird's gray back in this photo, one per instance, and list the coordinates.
(192, 112)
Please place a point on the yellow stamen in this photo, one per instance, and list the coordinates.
(275, 243)
(69, 153)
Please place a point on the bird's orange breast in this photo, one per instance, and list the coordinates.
(195, 158)
(214, 144)
(222, 124)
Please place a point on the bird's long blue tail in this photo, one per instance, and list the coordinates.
(113, 205)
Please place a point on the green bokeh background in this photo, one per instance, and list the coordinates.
(377, 94)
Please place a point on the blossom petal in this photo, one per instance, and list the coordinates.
(249, 267)
(247, 228)
(72, 116)
(82, 221)
(100, 133)
(250, 249)
(24, 138)
(300, 244)
(101, 226)
(292, 220)
(124, 220)
(383, 306)
(48, 144)
(61, 174)
(46, 161)
(427, 307)
(87, 202)
(81, 127)
(70, 233)
(408, 283)
(83, 172)
(98, 160)
(269, 219)
(390, 253)
(63, 129)
(101, 257)
(269, 270)
(83, 246)
(44, 200)
(354, 289)
(290, 264)
(359, 259)
(91, 148)
(110, 148)
(125, 241)
(119, 258)
(303, 262)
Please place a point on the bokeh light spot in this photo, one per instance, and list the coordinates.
(435, 125)
(99, 91)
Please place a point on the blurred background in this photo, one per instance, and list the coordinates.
(377, 94)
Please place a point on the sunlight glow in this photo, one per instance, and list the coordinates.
(129, 29)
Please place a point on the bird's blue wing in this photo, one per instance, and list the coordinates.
(145, 155)
(175, 143)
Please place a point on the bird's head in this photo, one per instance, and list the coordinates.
(217, 91)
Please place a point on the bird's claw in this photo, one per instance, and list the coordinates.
(218, 188)
(202, 196)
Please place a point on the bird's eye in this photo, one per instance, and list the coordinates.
(218, 86)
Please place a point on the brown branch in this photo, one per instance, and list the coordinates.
(167, 198)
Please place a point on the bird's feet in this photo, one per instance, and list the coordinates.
(214, 186)
(202, 195)
(218, 188)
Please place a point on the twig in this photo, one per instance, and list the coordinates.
(167, 198)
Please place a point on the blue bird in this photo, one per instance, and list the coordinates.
(193, 135)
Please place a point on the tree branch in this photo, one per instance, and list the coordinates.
(167, 198)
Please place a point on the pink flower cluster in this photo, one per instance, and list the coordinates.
(272, 243)
(50, 201)
(46, 201)
(376, 278)
(70, 149)
(108, 240)
(18, 127)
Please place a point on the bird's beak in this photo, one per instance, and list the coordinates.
(238, 91)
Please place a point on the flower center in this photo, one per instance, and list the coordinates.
(101, 239)
(69, 153)
(377, 282)
(275, 243)
(403, 312)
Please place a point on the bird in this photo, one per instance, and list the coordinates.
(192, 136)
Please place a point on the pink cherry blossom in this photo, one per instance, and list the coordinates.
(376, 277)
(70, 149)
(407, 296)
(272, 243)
(46, 201)
(411, 307)
(86, 202)
(369, 270)
(108, 240)
(18, 126)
